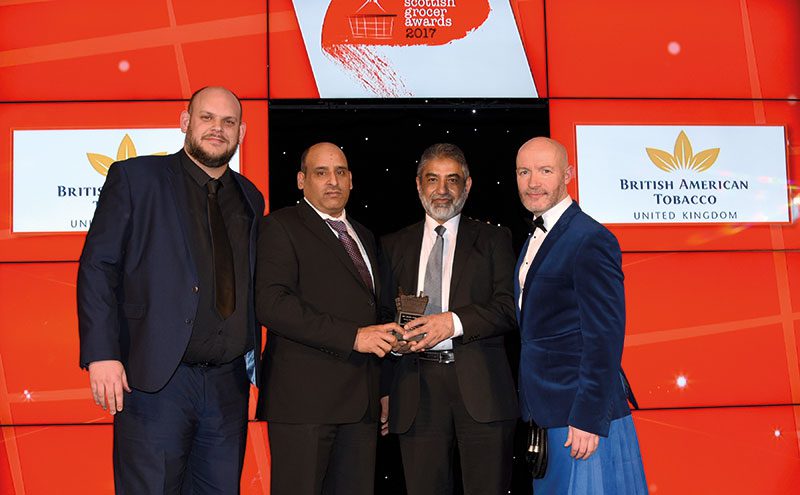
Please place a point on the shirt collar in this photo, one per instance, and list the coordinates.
(325, 216)
(199, 176)
(451, 225)
(551, 216)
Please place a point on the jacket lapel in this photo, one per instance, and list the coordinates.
(547, 246)
(372, 255)
(319, 228)
(467, 234)
(411, 245)
(176, 184)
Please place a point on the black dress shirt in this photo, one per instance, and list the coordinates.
(216, 340)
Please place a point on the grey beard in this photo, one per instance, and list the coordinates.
(443, 214)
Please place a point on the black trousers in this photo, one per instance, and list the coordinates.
(314, 459)
(485, 449)
(187, 438)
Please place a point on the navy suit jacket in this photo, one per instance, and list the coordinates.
(572, 325)
(137, 282)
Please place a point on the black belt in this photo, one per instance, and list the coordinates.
(441, 357)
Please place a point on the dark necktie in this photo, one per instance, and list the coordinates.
(433, 273)
(221, 253)
(352, 250)
(538, 223)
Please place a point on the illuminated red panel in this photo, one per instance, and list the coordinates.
(714, 320)
(76, 460)
(39, 317)
(565, 115)
(66, 247)
(712, 49)
(723, 450)
(101, 50)
(531, 24)
(290, 74)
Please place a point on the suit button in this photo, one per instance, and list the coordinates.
(195, 289)
(188, 321)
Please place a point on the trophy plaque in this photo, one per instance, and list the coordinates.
(409, 307)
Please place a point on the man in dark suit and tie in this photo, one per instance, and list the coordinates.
(316, 288)
(165, 307)
(455, 383)
(571, 311)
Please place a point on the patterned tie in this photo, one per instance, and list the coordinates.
(433, 274)
(351, 247)
(221, 254)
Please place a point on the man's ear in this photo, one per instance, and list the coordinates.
(184, 121)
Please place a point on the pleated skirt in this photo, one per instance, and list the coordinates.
(614, 469)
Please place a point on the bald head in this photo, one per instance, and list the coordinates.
(544, 148)
(325, 178)
(543, 173)
(323, 150)
(218, 92)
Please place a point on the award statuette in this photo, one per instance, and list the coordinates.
(409, 307)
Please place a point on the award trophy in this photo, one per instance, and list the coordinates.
(409, 307)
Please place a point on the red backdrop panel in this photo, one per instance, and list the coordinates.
(715, 451)
(716, 320)
(151, 49)
(67, 247)
(76, 460)
(677, 49)
(566, 114)
(39, 318)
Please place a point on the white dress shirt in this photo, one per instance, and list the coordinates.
(428, 239)
(343, 218)
(550, 217)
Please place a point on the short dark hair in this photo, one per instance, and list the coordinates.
(194, 96)
(303, 158)
(439, 151)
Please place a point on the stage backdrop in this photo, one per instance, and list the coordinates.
(713, 303)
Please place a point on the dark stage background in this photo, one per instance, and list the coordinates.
(383, 141)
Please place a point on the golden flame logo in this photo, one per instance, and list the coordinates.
(683, 158)
(126, 150)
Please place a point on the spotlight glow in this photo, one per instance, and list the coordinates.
(681, 381)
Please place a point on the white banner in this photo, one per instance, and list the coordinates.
(682, 174)
(414, 48)
(58, 174)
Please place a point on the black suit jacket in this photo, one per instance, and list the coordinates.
(137, 282)
(312, 301)
(481, 291)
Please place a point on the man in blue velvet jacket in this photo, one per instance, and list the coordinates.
(571, 311)
(165, 307)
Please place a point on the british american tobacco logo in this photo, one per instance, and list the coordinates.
(687, 190)
(126, 149)
(682, 157)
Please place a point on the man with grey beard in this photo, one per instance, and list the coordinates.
(451, 381)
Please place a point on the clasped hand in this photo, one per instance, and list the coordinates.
(433, 328)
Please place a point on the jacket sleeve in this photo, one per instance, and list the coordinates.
(100, 270)
(601, 308)
(279, 302)
(496, 315)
